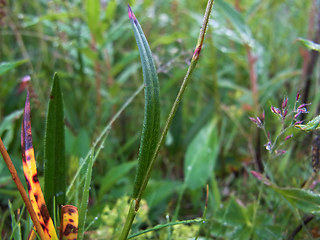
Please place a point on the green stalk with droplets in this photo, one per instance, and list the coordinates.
(140, 185)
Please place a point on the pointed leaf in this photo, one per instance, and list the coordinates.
(54, 149)
(7, 66)
(311, 125)
(151, 122)
(31, 175)
(309, 44)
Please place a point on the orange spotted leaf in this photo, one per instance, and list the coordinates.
(69, 223)
(31, 175)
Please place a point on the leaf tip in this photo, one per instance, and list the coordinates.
(131, 14)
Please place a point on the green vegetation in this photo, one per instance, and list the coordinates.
(234, 156)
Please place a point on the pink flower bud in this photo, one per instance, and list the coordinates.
(298, 95)
(284, 103)
(288, 137)
(285, 113)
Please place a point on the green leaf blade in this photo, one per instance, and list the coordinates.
(309, 44)
(7, 66)
(201, 157)
(151, 122)
(85, 197)
(304, 200)
(93, 9)
(55, 168)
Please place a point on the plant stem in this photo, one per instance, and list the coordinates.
(21, 189)
(135, 203)
(177, 101)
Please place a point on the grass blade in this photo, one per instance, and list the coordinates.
(54, 149)
(151, 122)
(16, 228)
(85, 198)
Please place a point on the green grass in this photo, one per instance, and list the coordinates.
(211, 140)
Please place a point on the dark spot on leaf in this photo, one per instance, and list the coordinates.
(70, 229)
(28, 183)
(36, 197)
(51, 97)
(35, 178)
(44, 213)
(71, 210)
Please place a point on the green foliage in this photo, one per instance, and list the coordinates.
(201, 157)
(16, 227)
(91, 45)
(306, 201)
(310, 44)
(311, 125)
(85, 198)
(55, 166)
(7, 66)
(151, 122)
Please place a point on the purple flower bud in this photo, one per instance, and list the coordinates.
(257, 175)
(288, 137)
(298, 95)
(302, 110)
(280, 152)
(284, 103)
(275, 110)
(256, 121)
(262, 116)
(260, 177)
(285, 113)
(259, 121)
(26, 78)
(303, 105)
(298, 122)
(253, 120)
(297, 115)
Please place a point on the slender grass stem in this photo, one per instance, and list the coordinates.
(178, 99)
(134, 206)
(21, 189)
(158, 227)
(103, 134)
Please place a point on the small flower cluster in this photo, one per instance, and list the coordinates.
(258, 121)
(283, 114)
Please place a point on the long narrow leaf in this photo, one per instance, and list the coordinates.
(54, 150)
(16, 228)
(85, 198)
(151, 122)
(31, 175)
